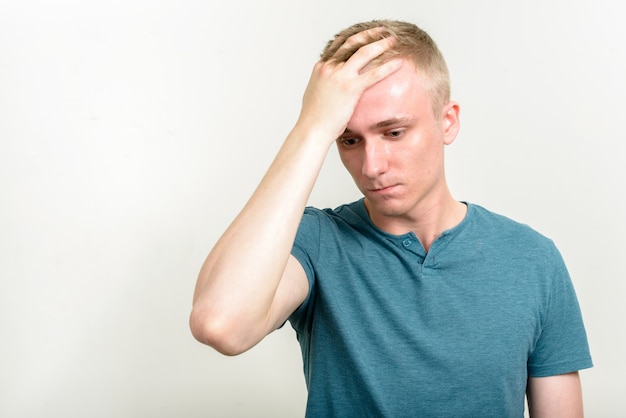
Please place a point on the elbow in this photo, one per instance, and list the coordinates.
(219, 333)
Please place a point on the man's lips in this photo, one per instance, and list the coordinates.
(382, 189)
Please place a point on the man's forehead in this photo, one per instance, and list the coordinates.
(407, 77)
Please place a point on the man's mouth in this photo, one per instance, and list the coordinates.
(382, 189)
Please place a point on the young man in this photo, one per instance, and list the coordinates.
(406, 302)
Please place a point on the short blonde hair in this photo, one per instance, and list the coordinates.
(412, 42)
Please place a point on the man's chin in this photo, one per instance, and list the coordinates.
(384, 207)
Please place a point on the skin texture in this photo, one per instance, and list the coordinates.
(555, 396)
(392, 144)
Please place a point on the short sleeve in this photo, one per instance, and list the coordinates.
(306, 250)
(562, 345)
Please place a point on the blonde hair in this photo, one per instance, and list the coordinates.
(412, 42)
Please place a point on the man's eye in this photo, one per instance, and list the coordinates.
(349, 141)
(395, 134)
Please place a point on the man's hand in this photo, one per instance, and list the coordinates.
(336, 86)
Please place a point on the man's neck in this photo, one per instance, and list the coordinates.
(427, 222)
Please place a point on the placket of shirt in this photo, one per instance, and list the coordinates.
(411, 244)
(436, 248)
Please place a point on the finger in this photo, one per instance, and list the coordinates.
(342, 48)
(362, 38)
(367, 53)
(377, 73)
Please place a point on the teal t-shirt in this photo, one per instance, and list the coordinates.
(390, 330)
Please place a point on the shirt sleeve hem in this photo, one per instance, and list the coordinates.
(561, 368)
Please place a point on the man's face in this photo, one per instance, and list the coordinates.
(393, 147)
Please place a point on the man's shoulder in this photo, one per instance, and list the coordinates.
(488, 222)
(351, 213)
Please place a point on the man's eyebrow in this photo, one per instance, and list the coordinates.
(385, 124)
(392, 122)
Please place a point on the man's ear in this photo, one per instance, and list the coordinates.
(451, 122)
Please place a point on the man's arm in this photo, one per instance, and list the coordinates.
(249, 283)
(555, 396)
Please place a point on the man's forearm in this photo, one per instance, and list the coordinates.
(239, 278)
(239, 298)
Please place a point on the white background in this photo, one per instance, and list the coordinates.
(131, 133)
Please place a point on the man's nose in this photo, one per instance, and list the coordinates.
(375, 160)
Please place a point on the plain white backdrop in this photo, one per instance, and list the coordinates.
(132, 132)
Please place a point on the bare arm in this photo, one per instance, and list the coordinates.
(555, 396)
(249, 283)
